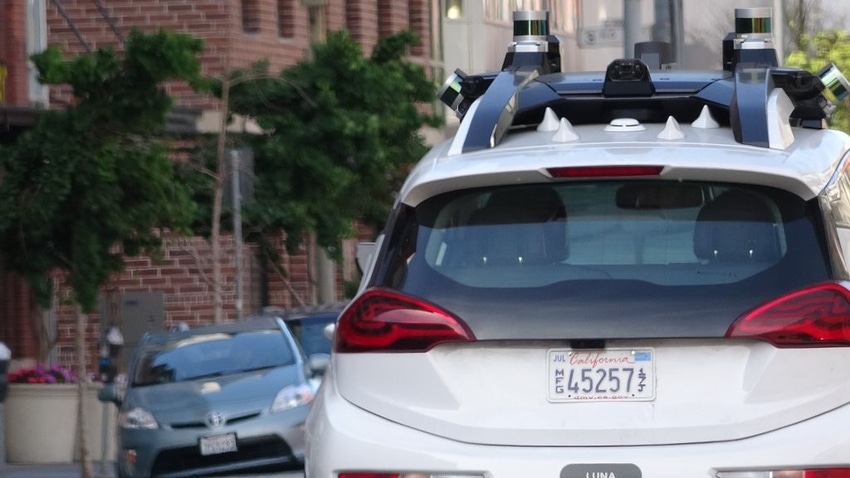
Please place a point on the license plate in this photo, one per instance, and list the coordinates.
(217, 444)
(601, 375)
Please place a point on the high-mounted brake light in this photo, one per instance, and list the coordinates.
(816, 316)
(604, 171)
(381, 320)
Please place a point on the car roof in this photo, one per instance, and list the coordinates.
(249, 324)
(805, 168)
(319, 311)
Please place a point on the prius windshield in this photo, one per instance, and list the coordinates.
(211, 354)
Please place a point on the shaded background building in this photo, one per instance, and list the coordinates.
(151, 295)
(468, 34)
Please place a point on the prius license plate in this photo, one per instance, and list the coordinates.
(601, 375)
(218, 444)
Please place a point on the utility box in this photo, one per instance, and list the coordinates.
(134, 313)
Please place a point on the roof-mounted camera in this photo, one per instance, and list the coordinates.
(533, 48)
(627, 77)
(752, 40)
(533, 45)
(836, 86)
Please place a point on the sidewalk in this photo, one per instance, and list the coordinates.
(53, 471)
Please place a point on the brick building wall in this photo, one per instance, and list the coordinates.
(13, 51)
(361, 19)
(183, 276)
(236, 33)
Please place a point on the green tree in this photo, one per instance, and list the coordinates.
(342, 131)
(817, 51)
(91, 183)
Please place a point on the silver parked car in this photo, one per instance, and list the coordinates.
(213, 400)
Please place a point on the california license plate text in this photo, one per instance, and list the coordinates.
(617, 374)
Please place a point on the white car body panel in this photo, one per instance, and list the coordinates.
(496, 394)
(805, 168)
(352, 438)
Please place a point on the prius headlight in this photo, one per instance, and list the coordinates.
(137, 418)
(291, 397)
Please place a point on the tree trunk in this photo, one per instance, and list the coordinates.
(45, 329)
(43, 335)
(218, 195)
(86, 466)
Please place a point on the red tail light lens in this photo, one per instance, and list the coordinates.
(369, 475)
(386, 321)
(405, 475)
(813, 317)
(812, 473)
(828, 473)
(604, 171)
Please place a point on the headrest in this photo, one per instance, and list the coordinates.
(521, 205)
(534, 231)
(737, 226)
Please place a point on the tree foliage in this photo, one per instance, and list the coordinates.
(342, 129)
(819, 50)
(803, 17)
(94, 176)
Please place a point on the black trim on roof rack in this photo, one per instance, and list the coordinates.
(747, 112)
(517, 99)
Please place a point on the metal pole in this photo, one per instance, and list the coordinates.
(779, 30)
(326, 268)
(237, 228)
(104, 440)
(677, 31)
(661, 28)
(71, 24)
(631, 26)
(2, 436)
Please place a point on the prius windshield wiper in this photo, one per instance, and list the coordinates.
(221, 373)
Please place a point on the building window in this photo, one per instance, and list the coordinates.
(36, 43)
(250, 16)
(318, 27)
(286, 18)
(454, 9)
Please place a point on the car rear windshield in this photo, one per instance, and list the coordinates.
(606, 258)
(211, 354)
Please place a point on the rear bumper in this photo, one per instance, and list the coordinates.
(343, 437)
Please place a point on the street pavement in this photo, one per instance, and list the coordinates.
(73, 471)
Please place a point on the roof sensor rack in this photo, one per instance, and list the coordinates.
(759, 100)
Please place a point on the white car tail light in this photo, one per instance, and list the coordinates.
(381, 320)
(817, 316)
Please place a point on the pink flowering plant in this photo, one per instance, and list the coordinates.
(43, 374)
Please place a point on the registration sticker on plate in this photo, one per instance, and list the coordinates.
(217, 444)
(600, 375)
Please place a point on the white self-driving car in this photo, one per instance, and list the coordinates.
(634, 273)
